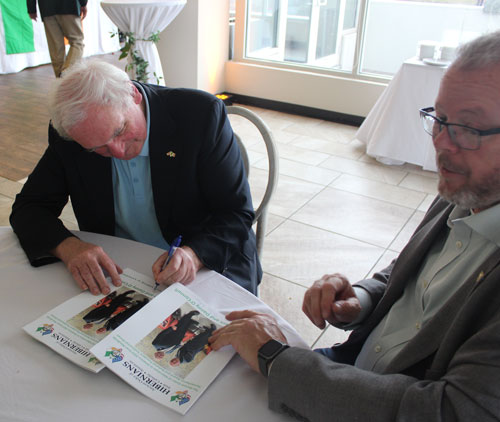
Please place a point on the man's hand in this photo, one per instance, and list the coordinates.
(32, 16)
(247, 333)
(83, 12)
(331, 299)
(182, 267)
(86, 262)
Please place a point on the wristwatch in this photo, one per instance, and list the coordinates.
(268, 352)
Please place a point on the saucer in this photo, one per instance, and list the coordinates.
(433, 62)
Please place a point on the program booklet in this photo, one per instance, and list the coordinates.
(163, 350)
(76, 325)
(158, 346)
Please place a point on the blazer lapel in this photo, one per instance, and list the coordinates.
(429, 339)
(165, 155)
(96, 179)
(409, 262)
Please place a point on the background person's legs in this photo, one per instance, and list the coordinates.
(71, 26)
(55, 41)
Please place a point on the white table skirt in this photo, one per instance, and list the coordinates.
(144, 18)
(392, 130)
(97, 28)
(40, 385)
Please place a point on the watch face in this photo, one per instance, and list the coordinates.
(270, 348)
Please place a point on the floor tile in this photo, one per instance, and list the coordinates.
(421, 183)
(426, 203)
(331, 336)
(294, 153)
(373, 171)
(5, 210)
(373, 189)
(384, 261)
(10, 188)
(283, 137)
(352, 150)
(404, 235)
(290, 195)
(325, 130)
(303, 254)
(302, 171)
(366, 219)
(286, 299)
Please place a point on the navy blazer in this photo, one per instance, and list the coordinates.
(199, 184)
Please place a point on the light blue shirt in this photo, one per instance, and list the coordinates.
(135, 216)
(452, 259)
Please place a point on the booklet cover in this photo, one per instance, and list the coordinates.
(163, 350)
(76, 325)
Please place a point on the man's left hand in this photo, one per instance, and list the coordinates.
(83, 12)
(247, 333)
(182, 267)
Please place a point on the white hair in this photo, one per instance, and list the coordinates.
(479, 53)
(86, 84)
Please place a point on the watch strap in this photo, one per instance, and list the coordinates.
(268, 352)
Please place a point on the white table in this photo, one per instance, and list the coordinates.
(96, 29)
(144, 18)
(392, 130)
(39, 385)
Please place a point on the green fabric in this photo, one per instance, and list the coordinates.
(18, 27)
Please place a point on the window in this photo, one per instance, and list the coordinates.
(330, 34)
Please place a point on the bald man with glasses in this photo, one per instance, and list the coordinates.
(425, 344)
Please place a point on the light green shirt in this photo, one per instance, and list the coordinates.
(466, 242)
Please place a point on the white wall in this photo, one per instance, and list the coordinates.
(194, 47)
(308, 89)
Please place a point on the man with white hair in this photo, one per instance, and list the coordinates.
(425, 344)
(143, 162)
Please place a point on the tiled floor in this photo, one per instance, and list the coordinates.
(335, 210)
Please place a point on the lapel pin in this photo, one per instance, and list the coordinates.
(171, 154)
(480, 277)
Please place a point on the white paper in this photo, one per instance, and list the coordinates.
(146, 351)
(65, 330)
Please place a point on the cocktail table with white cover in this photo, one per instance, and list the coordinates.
(392, 131)
(40, 385)
(144, 18)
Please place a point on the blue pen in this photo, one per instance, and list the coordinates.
(175, 244)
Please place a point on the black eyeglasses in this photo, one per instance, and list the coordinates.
(462, 136)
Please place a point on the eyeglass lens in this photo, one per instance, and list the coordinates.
(462, 136)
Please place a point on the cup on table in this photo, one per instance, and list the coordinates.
(447, 53)
(426, 49)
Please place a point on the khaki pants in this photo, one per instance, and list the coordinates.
(56, 28)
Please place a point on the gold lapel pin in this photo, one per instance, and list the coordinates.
(170, 154)
(480, 277)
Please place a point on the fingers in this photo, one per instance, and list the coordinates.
(240, 314)
(86, 262)
(247, 332)
(182, 267)
(330, 299)
(346, 310)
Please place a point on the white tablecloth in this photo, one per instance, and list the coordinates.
(392, 130)
(144, 18)
(39, 385)
(97, 28)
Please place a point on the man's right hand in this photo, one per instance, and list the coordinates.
(32, 16)
(331, 299)
(86, 262)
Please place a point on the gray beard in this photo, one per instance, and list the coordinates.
(479, 196)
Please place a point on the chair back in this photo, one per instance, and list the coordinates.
(272, 179)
